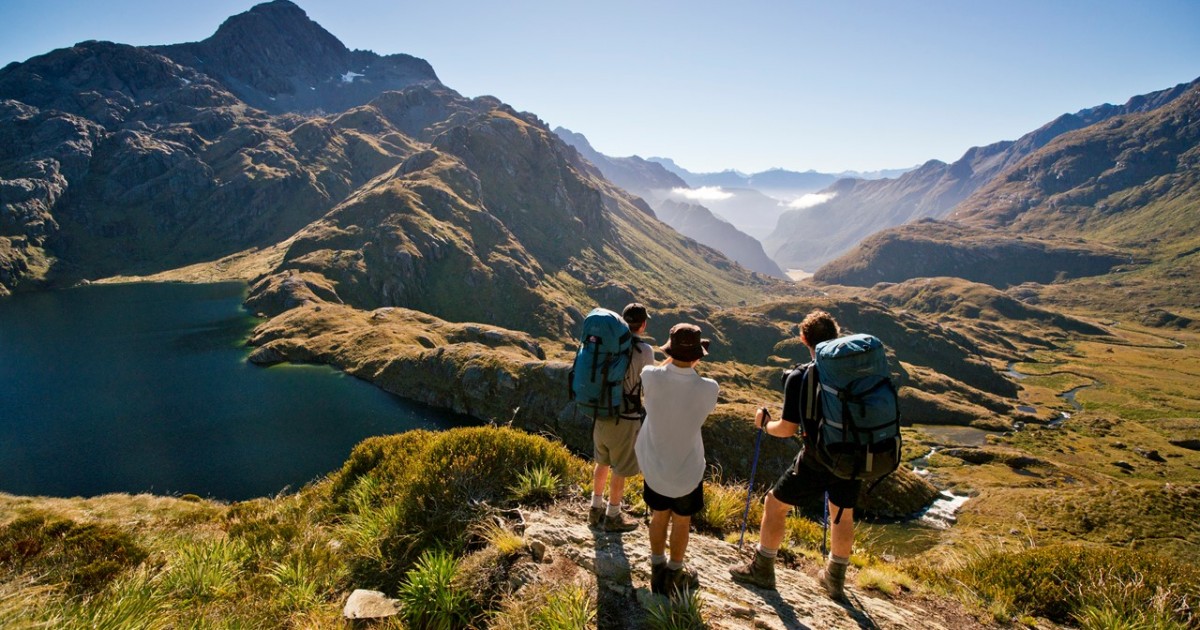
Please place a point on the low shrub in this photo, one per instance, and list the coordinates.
(82, 557)
(433, 486)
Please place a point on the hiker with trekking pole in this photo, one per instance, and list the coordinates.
(844, 406)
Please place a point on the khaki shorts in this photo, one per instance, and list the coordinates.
(613, 445)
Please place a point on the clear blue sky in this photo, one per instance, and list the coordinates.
(714, 85)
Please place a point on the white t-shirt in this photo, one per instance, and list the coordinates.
(670, 449)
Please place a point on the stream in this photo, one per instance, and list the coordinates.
(1067, 396)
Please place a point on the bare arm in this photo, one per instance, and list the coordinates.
(775, 428)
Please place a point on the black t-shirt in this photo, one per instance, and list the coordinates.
(795, 402)
(795, 399)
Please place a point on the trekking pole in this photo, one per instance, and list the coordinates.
(753, 468)
(825, 528)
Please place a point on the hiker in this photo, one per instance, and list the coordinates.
(613, 437)
(804, 480)
(670, 451)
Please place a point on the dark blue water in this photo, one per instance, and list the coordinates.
(146, 388)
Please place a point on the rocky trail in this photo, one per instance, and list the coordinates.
(619, 567)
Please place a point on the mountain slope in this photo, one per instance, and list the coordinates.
(634, 174)
(123, 160)
(1129, 185)
(696, 221)
(496, 220)
(655, 184)
(813, 236)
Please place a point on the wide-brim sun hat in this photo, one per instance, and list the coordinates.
(686, 343)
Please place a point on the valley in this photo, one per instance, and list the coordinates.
(1037, 299)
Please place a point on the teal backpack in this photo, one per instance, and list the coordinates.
(598, 375)
(858, 418)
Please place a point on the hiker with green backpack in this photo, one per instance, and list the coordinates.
(844, 406)
(606, 383)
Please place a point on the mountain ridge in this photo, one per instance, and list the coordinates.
(812, 236)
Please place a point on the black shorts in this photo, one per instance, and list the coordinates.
(686, 505)
(806, 482)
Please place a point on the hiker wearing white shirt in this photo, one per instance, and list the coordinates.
(670, 452)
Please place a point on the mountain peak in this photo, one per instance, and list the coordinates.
(276, 58)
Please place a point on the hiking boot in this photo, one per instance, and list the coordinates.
(833, 578)
(595, 516)
(658, 586)
(758, 572)
(679, 580)
(619, 523)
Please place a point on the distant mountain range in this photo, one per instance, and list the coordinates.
(348, 176)
(776, 182)
(667, 195)
(856, 208)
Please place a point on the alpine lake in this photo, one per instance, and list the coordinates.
(147, 388)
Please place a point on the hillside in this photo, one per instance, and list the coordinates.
(660, 188)
(696, 221)
(1121, 192)
(857, 208)
(124, 161)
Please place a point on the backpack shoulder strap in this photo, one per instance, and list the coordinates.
(810, 393)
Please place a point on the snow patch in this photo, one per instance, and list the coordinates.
(704, 193)
(810, 200)
(350, 76)
(184, 81)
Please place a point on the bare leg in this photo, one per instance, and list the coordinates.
(616, 489)
(658, 531)
(599, 478)
(770, 532)
(841, 533)
(680, 529)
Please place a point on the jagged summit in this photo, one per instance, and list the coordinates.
(276, 58)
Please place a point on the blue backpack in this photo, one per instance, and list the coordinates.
(858, 420)
(598, 375)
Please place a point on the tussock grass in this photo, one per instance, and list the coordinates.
(538, 485)
(566, 608)
(547, 607)
(506, 541)
(724, 505)
(683, 611)
(429, 598)
(1074, 584)
(205, 571)
(884, 579)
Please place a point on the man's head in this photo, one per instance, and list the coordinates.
(685, 344)
(818, 326)
(636, 316)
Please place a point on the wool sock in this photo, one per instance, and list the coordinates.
(657, 560)
(597, 500)
(674, 566)
(767, 553)
(613, 510)
(839, 559)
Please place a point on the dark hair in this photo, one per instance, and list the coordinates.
(819, 326)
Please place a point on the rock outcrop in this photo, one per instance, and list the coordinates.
(618, 568)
